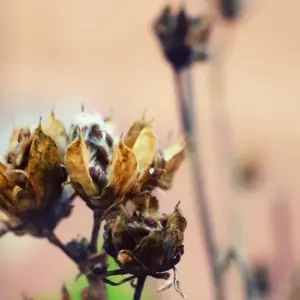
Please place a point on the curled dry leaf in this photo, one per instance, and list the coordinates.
(43, 156)
(77, 158)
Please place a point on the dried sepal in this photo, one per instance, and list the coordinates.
(122, 171)
(56, 130)
(145, 148)
(77, 158)
(173, 157)
(43, 156)
(135, 130)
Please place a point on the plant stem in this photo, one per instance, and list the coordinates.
(95, 233)
(186, 108)
(139, 288)
(53, 239)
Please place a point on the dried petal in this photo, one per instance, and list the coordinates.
(135, 130)
(55, 129)
(173, 157)
(77, 158)
(122, 171)
(43, 157)
(145, 148)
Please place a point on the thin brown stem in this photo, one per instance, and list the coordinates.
(54, 240)
(95, 233)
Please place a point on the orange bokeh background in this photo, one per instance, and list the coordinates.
(103, 53)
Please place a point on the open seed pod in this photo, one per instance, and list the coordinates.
(103, 172)
(31, 186)
(148, 242)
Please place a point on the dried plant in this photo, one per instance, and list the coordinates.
(45, 168)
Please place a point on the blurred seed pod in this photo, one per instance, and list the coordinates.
(183, 40)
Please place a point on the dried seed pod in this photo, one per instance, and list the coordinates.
(139, 243)
(31, 191)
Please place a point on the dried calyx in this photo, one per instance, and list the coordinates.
(31, 177)
(105, 170)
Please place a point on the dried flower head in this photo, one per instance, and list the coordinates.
(183, 39)
(104, 169)
(147, 242)
(31, 193)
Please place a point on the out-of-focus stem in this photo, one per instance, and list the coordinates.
(185, 104)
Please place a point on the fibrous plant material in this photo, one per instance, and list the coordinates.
(46, 168)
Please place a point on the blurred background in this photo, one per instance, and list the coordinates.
(104, 54)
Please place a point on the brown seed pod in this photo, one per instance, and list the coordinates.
(31, 193)
(139, 243)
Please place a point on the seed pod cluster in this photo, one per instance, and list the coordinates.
(147, 240)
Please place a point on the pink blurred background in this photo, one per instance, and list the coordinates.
(103, 53)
